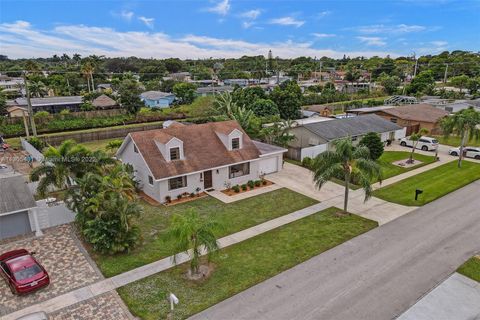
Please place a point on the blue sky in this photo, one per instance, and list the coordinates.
(232, 28)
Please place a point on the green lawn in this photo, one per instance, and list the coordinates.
(233, 217)
(454, 141)
(98, 144)
(471, 268)
(243, 265)
(390, 170)
(435, 183)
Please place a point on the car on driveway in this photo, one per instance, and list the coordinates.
(424, 143)
(22, 272)
(469, 152)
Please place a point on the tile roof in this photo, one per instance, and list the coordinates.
(354, 126)
(15, 194)
(417, 112)
(203, 149)
(103, 101)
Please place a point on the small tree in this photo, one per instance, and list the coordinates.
(460, 81)
(346, 161)
(130, 96)
(190, 231)
(415, 137)
(373, 142)
(265, 108)
(185, 92)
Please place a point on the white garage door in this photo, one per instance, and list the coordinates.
(268, 165)
(14, 224)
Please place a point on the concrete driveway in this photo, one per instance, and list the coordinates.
(300, 180)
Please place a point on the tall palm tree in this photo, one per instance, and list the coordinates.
(37, 89)
(61, 165)
(87, 70)
(465, 123)
(346, 161)
(190, 231)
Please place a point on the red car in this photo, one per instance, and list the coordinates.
(22, 272)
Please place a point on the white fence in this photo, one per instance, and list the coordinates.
(314, 151)
(37, 155)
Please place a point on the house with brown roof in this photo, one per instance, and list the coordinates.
(183, 158)
(413, 116)
(104, 102)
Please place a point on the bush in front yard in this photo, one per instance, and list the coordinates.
(307, 162)
(236, 188)
(258, 183)
(244, 187)
(251, 184)
(37, 143)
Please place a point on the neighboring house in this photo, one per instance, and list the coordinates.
(157, 99)
(323, 110)
(18, 215)
(104, 102)
(12, 87)
(313, 138)
(413, 117)
(400, 100)
(180, 76)
(309, 114)
(213, 90)
(102, 87)
(192, 158)
(49, 104)
(17, 112)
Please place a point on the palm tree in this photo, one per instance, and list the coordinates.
(37, 89)
(465, 123)
(346, 161)
(224, 104)
(190, 231)
(415, 137)
(87, 70)
(61, 165)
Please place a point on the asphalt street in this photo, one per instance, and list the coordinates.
(377, 275)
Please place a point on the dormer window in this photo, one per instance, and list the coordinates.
(235, 143)
(174, 154)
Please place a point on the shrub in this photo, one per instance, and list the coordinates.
(373, 142)
(179, 197)
(244, 187)
(258, 183)
(251, 184)
(65, 112)
(264, 182)
(37, 143)
(192, 195)
(168, 199)
(236, 188)
(307, 162)
(41, 115)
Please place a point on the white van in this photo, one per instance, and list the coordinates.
(424, 143)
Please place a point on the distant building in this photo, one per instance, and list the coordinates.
(12, 87)
(104, 102)
(157, 99)
(179, 76)
(212, 90)
(17, 112)
(49, 104)
(413, 117)
(400, 100)
(102, 87)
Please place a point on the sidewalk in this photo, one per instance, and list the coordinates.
(101, 287)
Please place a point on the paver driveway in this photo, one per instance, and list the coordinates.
(60, 253)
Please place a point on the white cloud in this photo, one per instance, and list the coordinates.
(323, 35)
(147, 21)
(22, 40)
(221, 8)
(372, 41)
(324, 14)
(380, 28)
(439, 43)
(127, 15)
(247, 24)
(287, 21)
(251, 14)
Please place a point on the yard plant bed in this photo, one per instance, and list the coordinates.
(243, 265)
(185, 198)
(232, 192)
(471, 268)
(155, 220)
(435, 183)
(390, 170)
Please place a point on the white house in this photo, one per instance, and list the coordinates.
(191, 158)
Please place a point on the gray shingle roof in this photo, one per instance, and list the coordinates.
(155, 95)
(15, 194)
(354, 126)
(266, 148)
(50, 100)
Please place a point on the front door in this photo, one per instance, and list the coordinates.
(207, 179)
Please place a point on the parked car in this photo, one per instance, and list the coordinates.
(469, 152)
(22, 272)
(424, 143)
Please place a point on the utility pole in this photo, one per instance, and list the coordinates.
(29, 105)
(416, 65)
(446, 72)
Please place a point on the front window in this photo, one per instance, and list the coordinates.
(239, 170)
(235, 143)
(174, 153)
(177, 183)
(135, 149)
(150, 180)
